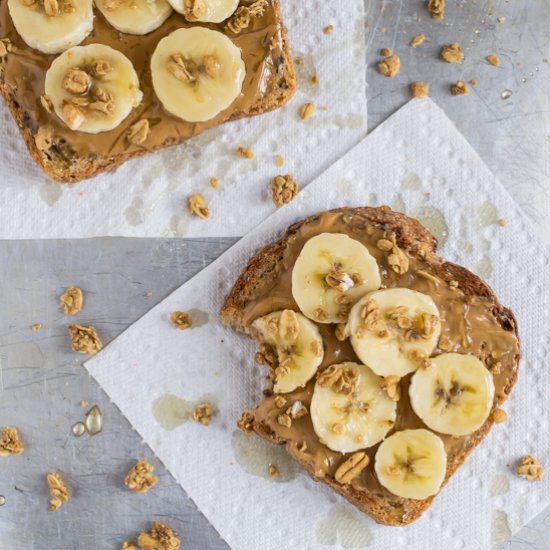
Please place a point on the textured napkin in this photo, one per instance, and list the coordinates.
(418, 163)
(148, 197)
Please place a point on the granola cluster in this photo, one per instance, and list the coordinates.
(10, 444)
(397, 258)
(58, 491)
(84, 339)
(530, 469)
(181, 320)
(72, 300)
(140, 478)
(161, 537)
(242, 18)
(203, 414)
(340, 379)
(283, 189)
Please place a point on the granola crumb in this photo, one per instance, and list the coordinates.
(273, 471)
(279, 160)
(460, 88)
(72, 300)
(314, 79)
(36, 326)
(11, 444)
(436, 8)
(452, 53)
(245, 152)
(203, 414)
(283, 189)
(501, 222)
(181, 319)
(473, 82)
(138, 132)
(389, 67)
(140, 478)
(328, 29)
(530, 469)
(385, 52)
(499, 416)
(148, 294)
(197, 206)
(84, 403)
(58, 491)
(214, 182)
(84, 339)
(161, 537)
(493, 60)
(417, 40)
(419, 89)
(246, 421)
(307, 110)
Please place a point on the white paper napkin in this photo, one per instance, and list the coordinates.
(419, 163)
(148, 197)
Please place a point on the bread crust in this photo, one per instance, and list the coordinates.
(421, 244)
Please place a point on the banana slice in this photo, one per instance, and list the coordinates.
(92, 88)
(52, 26)
(135, 16)
(411, 463)
(455, 395)
(197, 73)
(349, 410)
(331, 273)
(295, 346)
(394, 331)
(207, 11)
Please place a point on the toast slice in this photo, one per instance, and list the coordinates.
(486, 329)
(69, 156)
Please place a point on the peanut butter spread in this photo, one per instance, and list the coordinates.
(24, 70)
(470, 325)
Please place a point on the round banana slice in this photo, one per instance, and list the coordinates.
(197, 73)
(411, 463)
(207, 11)
(394, 331)
(92, 88)
(331, 273)
(296, 347)
(455, 395)
(349, 409)
(52, 26)
(135, 16)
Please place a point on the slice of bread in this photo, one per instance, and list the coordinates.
(264, 286)
(69, 156)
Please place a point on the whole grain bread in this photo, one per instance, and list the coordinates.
(419, 243)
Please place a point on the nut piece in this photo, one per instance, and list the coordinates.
(499, 416)
(180, 68)
(460, 88)
(417, 40)
(245, 152)
(419, 89)
(58, 491)
(246, 421)
(101, 67)
(339, 379)
(73, 116)
(203, 414)
(493, 60)
(351, 468)
(307, 110)
(77, 82)
(10, 444)
(244, 14)
(44, 138)
(140, 478)
(452, 53)
(181, 319)
(436, 8)
(161, 537)
(71, 300)
(197, 206)
(138, 132)
(51, 7)
(390, 66)
(530, 469)
(283, 189)
(390, 384)
(84, 339)
(289, 328)
(211, 65)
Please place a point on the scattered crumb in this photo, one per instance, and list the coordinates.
(3, 49)
(203, 414)
(71, 300)
(84, 339)
(279, 160)
(283, 189)
(138, 132)
(140, 478)
(417, 40)
(197, 206)
(10, 444)
(84, 403)
(389, 67)
(214, 182)
(385, 52)
(328, 29)
(460, 88)
(36, 326)
(323, 108)
(298, 61)
(245, 152)
(473, 82)
(501, 222)
(246, 421)
(181, 320)
(58, 491)
(314, 79)
(382, 29)
(436, 8)
(129, 546)
(307, 110)
(493, 60)
(161, 537)
(419, 89)
(148, 294)
(452, 53)
(501, 19)
(530, 468)
(499, 416)
(273, 471)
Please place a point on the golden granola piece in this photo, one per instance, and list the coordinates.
(58, 491)
(307, 110)
(436, 8)
(77, 82)
(460, 88)
(289, 328)
(452, 53)
(244, 14)
(273, 471)
(140, 478)
(390, 66)
(196, 205)
(71, 300)
(180, 68)
(138, 132)
(203, 414)
(390, 384)
(493, 60)
(417, 40)
(339, 379)
(530, 468)
(10, 444)
(214, 182)
(351, 468)
(279, 160)
(283, 189)
(161, 537)
(84, 339)
(284, 420)
(419, 89)
(245, 152)
(328, 29)
(36, 326)
(385, 52)
(246, 421)
(181, 319)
